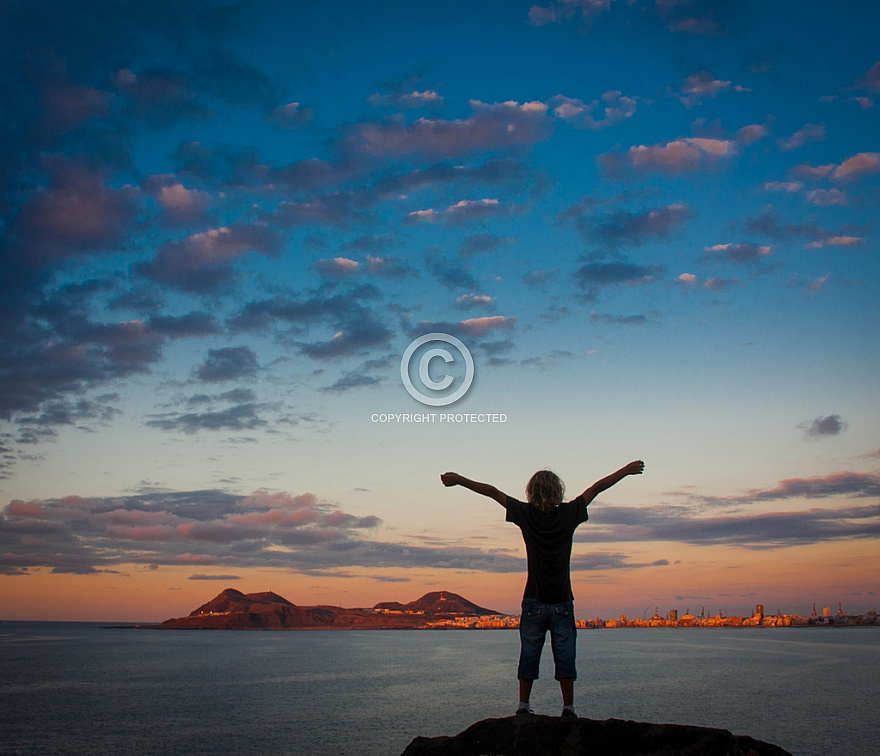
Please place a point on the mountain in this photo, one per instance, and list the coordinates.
(232, 600)
(438, 602)
(233, 610)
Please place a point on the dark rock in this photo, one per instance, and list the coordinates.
(536, 735)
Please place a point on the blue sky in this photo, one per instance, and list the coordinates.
(651, 222)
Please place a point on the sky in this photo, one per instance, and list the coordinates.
(651, 223)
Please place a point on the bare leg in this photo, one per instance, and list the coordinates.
(525, 690)
(566, 685)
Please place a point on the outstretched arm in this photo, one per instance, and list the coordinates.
(633, 468)
(454, 479)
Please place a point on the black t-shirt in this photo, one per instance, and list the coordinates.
(548, 546)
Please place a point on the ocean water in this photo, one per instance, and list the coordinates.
(84, 689)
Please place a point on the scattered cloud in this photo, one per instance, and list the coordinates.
(720, 284)
(811, 172)
(474, 302)
(790, 187)
(592, 277)
(75, 214)
(830, 425)
(480, 244)
(350, 381)
(499, 127)
(861, 164)
(213, 528)
(618, 320)
(826, 197)
(812, 132)
(293, 115)
(697, 17)
(233, 411)
(424, 99)
(611, 109)
(769, 224)
(817, 487)
(699, 86)
(764, 530)
(870, 79)
(203, 262)
(565, 10)
(752, 133)
(686, 155)
(180, 206)
(356, 338)
(338, 267)
(450, 274)
(690, 522)
(227, 364)
(624, 228)
(535, 279)
(221, 578)
(601, 561)
(837, 241)
(459, 213)
(741, 254)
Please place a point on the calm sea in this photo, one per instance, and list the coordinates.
(83, 689)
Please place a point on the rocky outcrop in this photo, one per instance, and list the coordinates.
(536, 735)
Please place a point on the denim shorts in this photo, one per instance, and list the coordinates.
(537, 618)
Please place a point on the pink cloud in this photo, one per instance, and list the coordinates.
(812, 132)
(460, 212)
(720, 284)
(66, 106)
(293, 115)
(752, 133)
(565, 10)
(783, 186)
(75, 214)
(870, 79)
(811, 172)
(836, 241)
(482, 326)
(613, 108)
(739, 253)
(202, 262)
(699, 86)
(859, 165)
(425, 99)
(194, 559)
(678, 156)
(69, 508)
(338, 267)
(279, 499)
(502, 126)
(826, 197)
(276, 517)
(182, 205)
(142, 532)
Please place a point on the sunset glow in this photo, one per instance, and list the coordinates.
(653, 225)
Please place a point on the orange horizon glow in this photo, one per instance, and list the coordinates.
(725, 579)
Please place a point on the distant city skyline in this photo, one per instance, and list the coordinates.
(652, 223)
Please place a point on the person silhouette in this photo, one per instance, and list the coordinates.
(547, 524)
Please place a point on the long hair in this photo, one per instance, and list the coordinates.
(545, 490)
